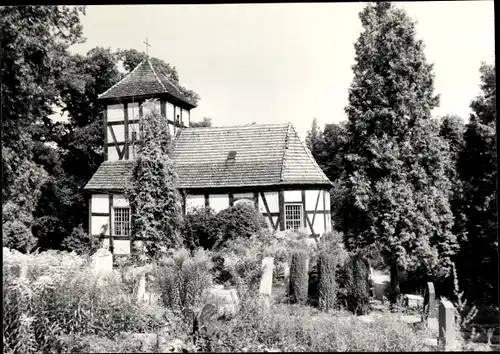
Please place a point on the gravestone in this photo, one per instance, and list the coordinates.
(286, 275)
(447, 325)
(102, 261)
(141, 288)
(225, 300)
(429, 301)
(266, 283)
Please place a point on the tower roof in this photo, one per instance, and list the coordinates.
(145, 80)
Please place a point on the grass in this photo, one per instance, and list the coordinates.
(61, 305)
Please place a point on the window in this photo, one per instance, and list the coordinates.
(293, 216)
(122, 221)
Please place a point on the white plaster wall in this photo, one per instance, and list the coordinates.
(272, 200)
(100, 203)
(112, 153)
(115, 112)
(97, 223)
(177, 112)
(133, 110)
(194, 201)
(120, 201)
(169, 109)
(218, 201)
(243, 196)
(120, 246)
(275, 220)
(311, 197)
(185, 117)
(328, 222)
(119, 131)
(293, 196)
(319, 223)
(327, 200)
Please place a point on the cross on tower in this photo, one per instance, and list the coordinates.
(147, 46)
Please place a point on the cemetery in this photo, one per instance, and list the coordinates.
(132, 225)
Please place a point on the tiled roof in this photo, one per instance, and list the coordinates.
(145, 79)
(264, 155)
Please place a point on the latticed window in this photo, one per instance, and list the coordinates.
(293, 216)
(122, 221)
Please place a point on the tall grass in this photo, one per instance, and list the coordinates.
(60, 296)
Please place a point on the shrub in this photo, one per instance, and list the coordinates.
(240, 220)
(299, 277)
(182, 279)
(81, 242)
(327, 287)
(354, 281)
(200, 229)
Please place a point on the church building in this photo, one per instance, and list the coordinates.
(216, 166)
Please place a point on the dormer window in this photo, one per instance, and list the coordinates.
(231, 156)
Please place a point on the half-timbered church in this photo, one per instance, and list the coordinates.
(216, 166)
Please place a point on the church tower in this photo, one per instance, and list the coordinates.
(124, 108)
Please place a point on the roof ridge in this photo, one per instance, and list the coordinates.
(281, 125)
(311, 157)
(123, 79)
(154, 73)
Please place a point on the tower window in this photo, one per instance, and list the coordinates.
(122, 221)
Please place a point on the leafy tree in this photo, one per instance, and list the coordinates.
(452, 129)
(478, 170)
(34, 46)
(313, 137)
(155, 201)
(396, 181)
(206, 122)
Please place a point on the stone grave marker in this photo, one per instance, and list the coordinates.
(429, 301)
(102, 261)
(266, 283)
(447, 325)
(141, 289)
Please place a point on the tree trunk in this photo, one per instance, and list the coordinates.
(395, 291)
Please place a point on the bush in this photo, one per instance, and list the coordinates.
(200, 229)
(240, 220)
(354, 284)
(299, 277)
(60, 296)
(327, 287)
(182, 279)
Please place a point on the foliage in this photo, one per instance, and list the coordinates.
(80, 242)
(295, 328)
(240, 220)
(327, 287)
(59, 296)
(478, 260)
(155, 201)
(34, 45)
(298, 277)
(182, 279)
(200, 228)
(396, 185)
(206, 122)
(327, 147)
(354, 287)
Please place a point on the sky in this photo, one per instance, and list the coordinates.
(279, 63)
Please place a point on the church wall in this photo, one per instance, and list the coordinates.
(315, 210)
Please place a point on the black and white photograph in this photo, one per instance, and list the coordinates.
(249, 177)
